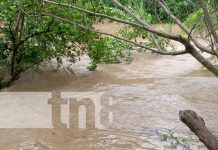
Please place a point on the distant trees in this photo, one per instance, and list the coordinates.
(180, 8)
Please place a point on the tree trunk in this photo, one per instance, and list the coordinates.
(17, 37)
(197, 125)
(8, 83)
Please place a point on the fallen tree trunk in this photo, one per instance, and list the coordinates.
(197, 125)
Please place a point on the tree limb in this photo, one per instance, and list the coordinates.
(130, 13)
(209, 20)
(183, 27)
(117, 37)
(93, 13)
(16, 36)
(36, 34)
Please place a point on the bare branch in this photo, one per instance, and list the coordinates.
(209, 21)
(130, 13)
(191, 31)
(211, 39)
(183, 27)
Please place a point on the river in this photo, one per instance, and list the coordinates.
(148, 94)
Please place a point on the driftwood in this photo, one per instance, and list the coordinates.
(197, 125)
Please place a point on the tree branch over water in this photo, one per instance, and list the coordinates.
(189, 42)
(117, 37)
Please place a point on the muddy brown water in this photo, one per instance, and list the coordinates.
(148, 94)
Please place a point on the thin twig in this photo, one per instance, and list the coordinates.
(189, 35)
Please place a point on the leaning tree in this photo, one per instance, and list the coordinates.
(30, 34)
(188, 39)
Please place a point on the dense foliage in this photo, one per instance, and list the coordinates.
(181, 8)
(28, 37)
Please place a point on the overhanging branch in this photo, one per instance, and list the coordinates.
(117, 37)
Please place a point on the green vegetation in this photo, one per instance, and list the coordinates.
(28, 37)
(173, 141)
(34, 31)
(181, 8)
(109, 50)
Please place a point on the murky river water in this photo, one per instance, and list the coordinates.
(148, 94)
